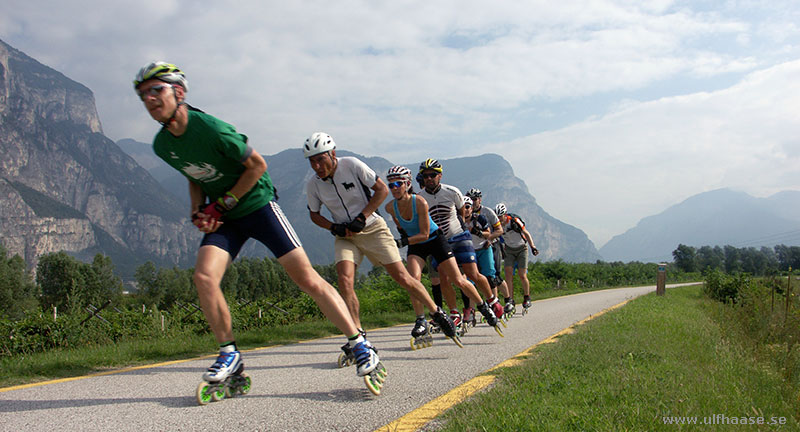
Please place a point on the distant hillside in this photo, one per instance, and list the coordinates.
(490, 173)
(720, 217)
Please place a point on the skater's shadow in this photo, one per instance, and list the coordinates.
(339, 395)
(20, 406)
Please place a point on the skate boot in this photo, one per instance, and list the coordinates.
(370, 367)
(448, 327)
(420, 335)
(225, 378)
(491, 319)
(433, 328)
(497, 308)
(461, 329)
(510, 309)
(526, 304)
(469, 316)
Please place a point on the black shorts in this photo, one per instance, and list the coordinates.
(267, 225)
(437, 247)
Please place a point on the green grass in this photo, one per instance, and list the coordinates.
(629, 368)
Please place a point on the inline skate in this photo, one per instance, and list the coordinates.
(219, 382)
(369, 366)
(420, 335)
(490, 318)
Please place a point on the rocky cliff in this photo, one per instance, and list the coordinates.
(65, 186)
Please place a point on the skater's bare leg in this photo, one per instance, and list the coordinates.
(209, 269)
(414, 287)
(324, 294)
(346, 271)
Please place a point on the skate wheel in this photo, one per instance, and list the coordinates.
(343, 361)
(203, 393)
(457, 341)
(240, 385)
(502, 321)
(499, 331)
(413, 345)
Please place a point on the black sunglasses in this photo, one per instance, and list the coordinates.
(429, 175)
(152, 91)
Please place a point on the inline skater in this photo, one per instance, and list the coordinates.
(480, 230)
(496, 229)
(516, 236)
(352, 193)
(231, 201)
(446, 208)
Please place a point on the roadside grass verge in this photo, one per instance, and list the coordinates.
(632, 369)
(64, 363)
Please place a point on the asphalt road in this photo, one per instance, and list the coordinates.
(295, 387)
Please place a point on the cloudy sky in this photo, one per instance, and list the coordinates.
(609, 110)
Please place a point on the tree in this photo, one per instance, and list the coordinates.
(60, 278)
(17, 290)
(685, 258)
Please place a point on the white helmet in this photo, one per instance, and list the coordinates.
(318, 142)
(500, 209)
(400, 172)
(467, 200)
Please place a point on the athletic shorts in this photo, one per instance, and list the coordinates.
(498, 260)
(518, 256)
(462, 249)
(437, 247)
(375, 242)
(485, 259)
(267, 225)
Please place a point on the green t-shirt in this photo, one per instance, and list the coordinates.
(210, 153)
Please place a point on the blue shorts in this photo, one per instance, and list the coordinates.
(462, 248)
(267, 225)
(485, 262)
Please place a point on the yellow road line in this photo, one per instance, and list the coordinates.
(419, 417)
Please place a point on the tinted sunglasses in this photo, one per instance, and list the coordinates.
(429, 175)
(152, 91)
(397, 184)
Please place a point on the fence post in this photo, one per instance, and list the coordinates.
(788, 296)
(162, 322)
(661, 279)
(55, 313)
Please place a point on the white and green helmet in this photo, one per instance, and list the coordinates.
(162, 71)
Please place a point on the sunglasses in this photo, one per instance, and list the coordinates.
(397, 184)
(429, 175)
(152, 91)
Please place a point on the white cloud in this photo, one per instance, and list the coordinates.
(605, 174)
(400, 79)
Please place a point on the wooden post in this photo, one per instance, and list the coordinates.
(162, 322)
(661, 279)
(55, 313)
(788, 296)
(259, 313)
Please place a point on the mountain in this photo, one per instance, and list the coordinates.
(720, 217)
(65, 186)
(490, 173)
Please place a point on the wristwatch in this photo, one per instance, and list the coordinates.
(229, 202)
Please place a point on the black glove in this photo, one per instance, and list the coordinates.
(477, 231)
(534, 250)
(357, 224)
(402, 241)
(339, 229)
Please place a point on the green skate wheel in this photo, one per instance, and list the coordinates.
(203, 393)
(245, 384)
(372, 384)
